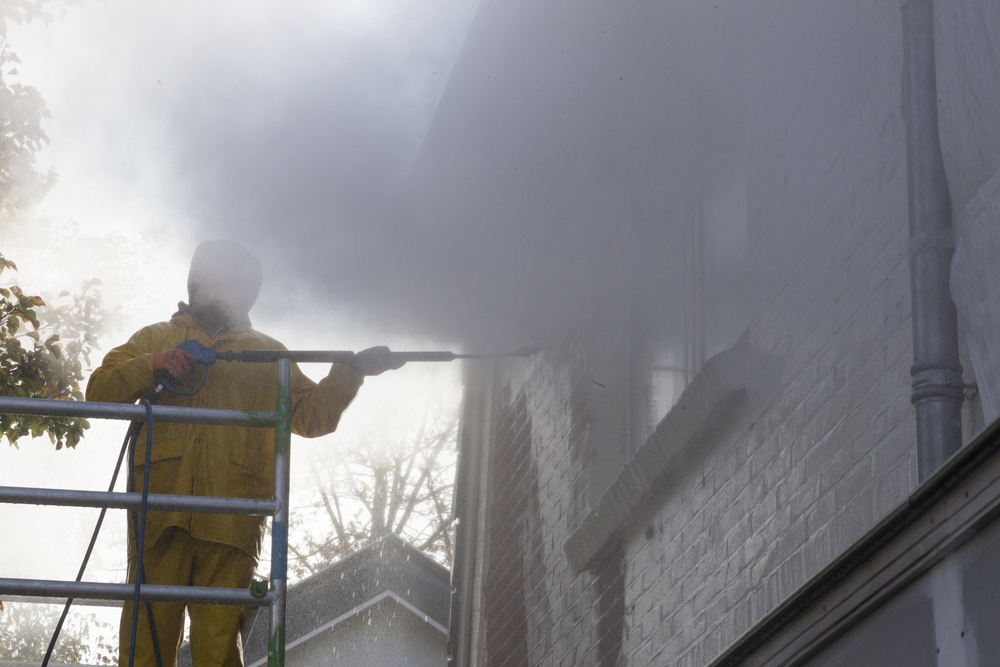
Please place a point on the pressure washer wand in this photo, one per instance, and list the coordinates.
(346, 357)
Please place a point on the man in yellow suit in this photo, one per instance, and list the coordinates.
(212, 549)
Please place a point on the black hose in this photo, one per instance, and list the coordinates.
(139, 531)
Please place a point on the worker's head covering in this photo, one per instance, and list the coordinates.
(226, 276)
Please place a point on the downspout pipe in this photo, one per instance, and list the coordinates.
(936, 372)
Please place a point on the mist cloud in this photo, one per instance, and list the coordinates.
(547, 181)
(558, 172)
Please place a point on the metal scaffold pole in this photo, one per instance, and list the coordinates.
(133, 501)
(277, 506)
(279, 524)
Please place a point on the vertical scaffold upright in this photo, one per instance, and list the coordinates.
(277, 507)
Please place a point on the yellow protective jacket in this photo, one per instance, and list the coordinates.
(200, 460)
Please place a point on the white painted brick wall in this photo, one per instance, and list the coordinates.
(569, 612)
(833, 450)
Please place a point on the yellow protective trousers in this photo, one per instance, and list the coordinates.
(178, 559)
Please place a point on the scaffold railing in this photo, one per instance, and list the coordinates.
(277, 507)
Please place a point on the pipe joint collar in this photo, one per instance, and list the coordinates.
(941, 384)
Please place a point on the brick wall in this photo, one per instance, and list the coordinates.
(610, 607)
(538, 611)
(515, 505)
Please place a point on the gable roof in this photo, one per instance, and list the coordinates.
(389, 569)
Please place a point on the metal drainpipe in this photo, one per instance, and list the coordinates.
(936, 371)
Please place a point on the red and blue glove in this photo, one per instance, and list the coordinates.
(177, 364)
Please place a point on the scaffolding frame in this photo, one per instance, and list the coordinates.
(280, 420)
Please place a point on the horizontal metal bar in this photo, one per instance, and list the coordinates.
(131, 412)
(133, 501)
(153, 593)
(77, 602)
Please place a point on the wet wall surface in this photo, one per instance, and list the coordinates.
(981, 593)
(900, 633)
(947, 618)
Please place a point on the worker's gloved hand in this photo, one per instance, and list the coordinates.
(375, 361)
(176, 364)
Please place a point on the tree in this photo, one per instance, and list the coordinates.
(43, 356)
(21, 111)
(386, 480)
(41, 351)
(27, 628)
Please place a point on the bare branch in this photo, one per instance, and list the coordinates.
(425, 471)
(334, 515)
(398, 481)
(302, 560)
(399, 490)
(441, 529)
